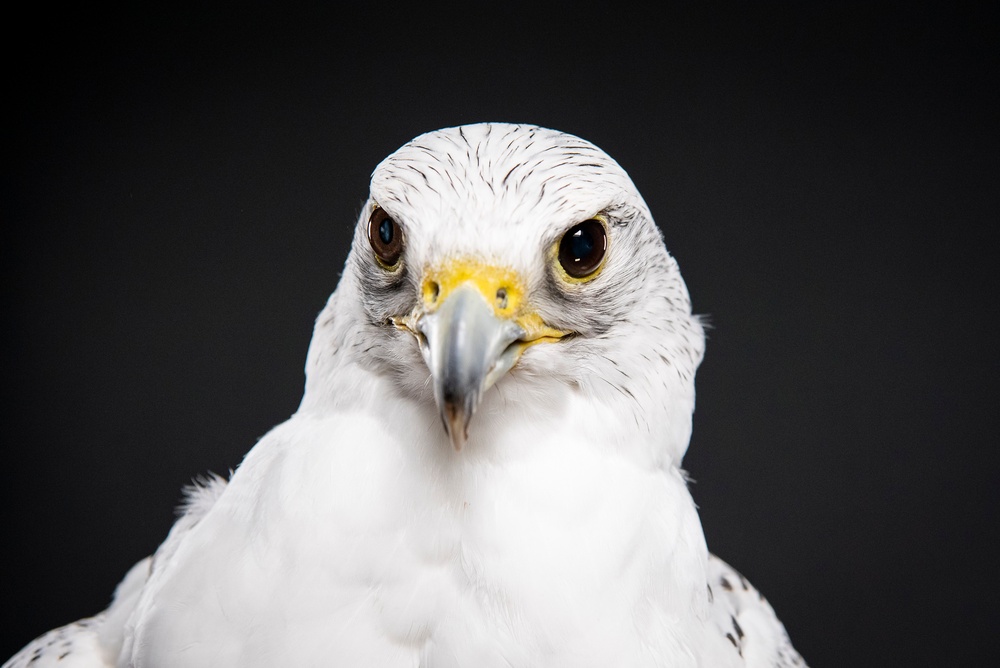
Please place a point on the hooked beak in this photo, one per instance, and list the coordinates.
(468, 340)
(467, 349)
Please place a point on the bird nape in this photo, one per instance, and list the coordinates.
(485, 466)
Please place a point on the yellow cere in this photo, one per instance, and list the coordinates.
(500, 286)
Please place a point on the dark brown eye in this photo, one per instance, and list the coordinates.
(385, 237)
(582, 248)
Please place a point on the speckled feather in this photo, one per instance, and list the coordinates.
(563, 534)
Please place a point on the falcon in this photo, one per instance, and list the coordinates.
(485, 468)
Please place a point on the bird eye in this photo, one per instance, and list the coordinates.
(386, 238)
(582, 248)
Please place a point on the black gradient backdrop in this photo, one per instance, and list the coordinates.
(178, 200)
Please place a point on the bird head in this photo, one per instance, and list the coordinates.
(490, 253)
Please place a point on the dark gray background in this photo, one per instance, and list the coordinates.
(178, 199)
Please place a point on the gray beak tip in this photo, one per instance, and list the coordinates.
(458, 438)
(456, 424)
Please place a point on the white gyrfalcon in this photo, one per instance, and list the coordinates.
(485, 469)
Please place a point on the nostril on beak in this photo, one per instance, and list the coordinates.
(431, 291)
(502, 298)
